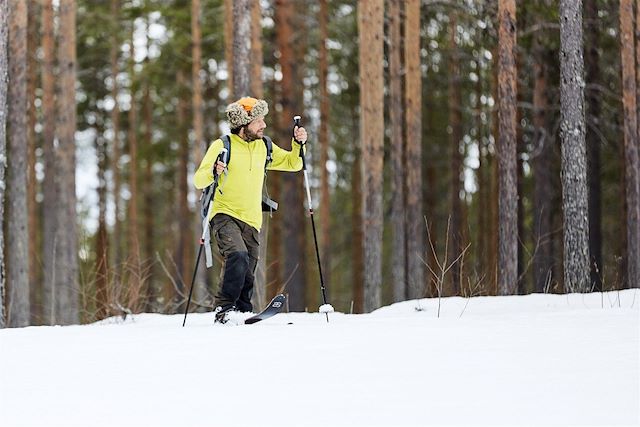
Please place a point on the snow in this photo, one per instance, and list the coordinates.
(521, 360)
(326, 308)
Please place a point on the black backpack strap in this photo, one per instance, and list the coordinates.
(226, 143)
(268, 143)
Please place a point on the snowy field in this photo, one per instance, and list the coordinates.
(522, 360)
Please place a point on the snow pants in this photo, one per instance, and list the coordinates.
(238, 245)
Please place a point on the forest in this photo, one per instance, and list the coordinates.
(456, 147)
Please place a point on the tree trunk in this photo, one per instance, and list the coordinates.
(133, 260)
(323, 136)
(50, 188)
(17, 216)
(397, 140)
(35, 286)
(357, 266)
(455, 121)
(637, 43)
(102, 240)
(260, 288)
(371, 35)
(593, 143)
(508, 203)
(543, 179)
(151, 295)
(4, 42)
(200, 146)
(430, 199)
(256, 50)
(228, 43)
(481, 250)
(294, 268)
(413, 103)
(184, 249)
(116, 256)
(66, 258)
(241, 48)
(632, 165)
(574, 153)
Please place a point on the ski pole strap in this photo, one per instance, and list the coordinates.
(207, 243)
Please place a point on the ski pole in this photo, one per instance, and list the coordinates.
(205, 227)
(296, 123)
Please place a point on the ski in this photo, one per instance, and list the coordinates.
(274, 307)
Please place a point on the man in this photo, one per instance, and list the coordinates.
(237, 210)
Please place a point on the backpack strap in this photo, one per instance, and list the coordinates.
(268, 143)
(226, 143)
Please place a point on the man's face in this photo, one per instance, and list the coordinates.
(255, 129)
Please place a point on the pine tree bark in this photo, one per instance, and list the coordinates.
(199, 145)
(102, 240)
(507, 166)
(241, 48)
(637, 72)
(543, 179)
(256, 50)
(371, 34)
(632, 164)
(323, 136)
(133, 259)
(593, 142)
(66, 261)
(228, 42)
(455, 121)
(294, 266)
(50, 188)
(413, 104)
(152, 293)
(116, 257)
(398, 142)
(574, 153)
(357, 266)
(17, 215)
(260, 288)
(481, 249)
(35, 287)
(4, 42)
(494, 179)
(183, 252)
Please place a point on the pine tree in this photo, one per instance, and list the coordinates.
(574, 155)
(66, 252)
(456, 143)
(371, 30)
(4, 39)
(413, 184)
(632, 164)
(293, 234)
(17, 213)
(396, 115)
(50, 185)
(508, 203)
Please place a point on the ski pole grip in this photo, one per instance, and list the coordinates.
(223, 155)
(296, 123)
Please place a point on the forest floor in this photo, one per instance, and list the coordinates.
(518, 360)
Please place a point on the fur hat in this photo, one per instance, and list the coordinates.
(245, 110)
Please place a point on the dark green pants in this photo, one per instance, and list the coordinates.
(238, 245)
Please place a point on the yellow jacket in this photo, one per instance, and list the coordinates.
(241, 195)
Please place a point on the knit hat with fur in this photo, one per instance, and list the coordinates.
(245, 110)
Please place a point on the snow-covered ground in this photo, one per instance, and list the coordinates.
(526, 360)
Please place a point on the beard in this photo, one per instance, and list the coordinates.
(252, 136)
